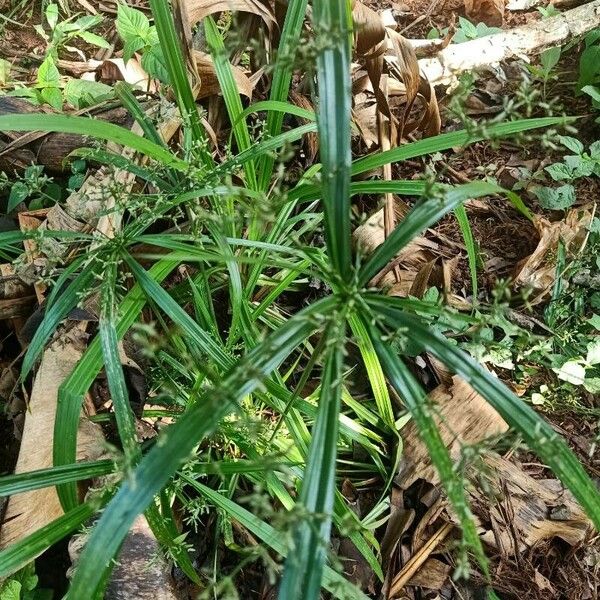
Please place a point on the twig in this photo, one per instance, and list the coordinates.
(417, 560)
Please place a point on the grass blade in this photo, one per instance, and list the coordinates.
(175, 64)
(335, 583)
(60, 305)
(374, 371)
(202, 340)
(423, 215)
(331, 18)
(42, 478)
(74, 388)
(280, 107)
(130, 102)
(282, 77)
(266, 146)
(231, 96)
(304, 565)
(95, 128)
(472, 254)
(307, 193)
(445, 141)
(114, 371)
(122, 162)
(416, 401)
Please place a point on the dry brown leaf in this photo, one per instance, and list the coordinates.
(400, 520)
(369, 31)
(387, 53)
(116, 69)
(16, 297)
(421, 281)
(463, 417)
(209, 84)
(538, 271)
(311, 140)
(527, 510)
(30, 221)
(388, 57)
(198, 9)
(490, 12)
(417, 560)
(432, 575)
(28, 512)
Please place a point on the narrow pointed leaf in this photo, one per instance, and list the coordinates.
(282, 78)
(304, 566)
(93, 128)
(231, 95)
(71, 393)
(335, 583)
(42, 478)
(423, 215)
(445, 141)
(415, 399)
(331, 18)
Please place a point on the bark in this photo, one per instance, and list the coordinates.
(49, 150)
(528, 40)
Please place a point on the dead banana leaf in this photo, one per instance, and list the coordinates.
(431, 575)
(30, 511)
(464, 418)
(525, 511)
(198, 9)
(369, 30)
(417, 561)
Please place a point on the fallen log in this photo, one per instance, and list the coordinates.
(47, 149)
(520, 42)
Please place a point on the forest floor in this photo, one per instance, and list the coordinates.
(538, 289)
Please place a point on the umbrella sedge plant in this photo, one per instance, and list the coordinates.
(247, 242)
